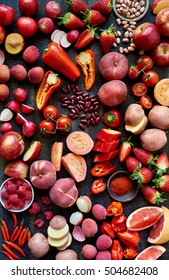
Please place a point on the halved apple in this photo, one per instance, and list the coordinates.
(158, 5)
(137, 129)
(33, 151)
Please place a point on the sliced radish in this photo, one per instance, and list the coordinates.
(6, 115)
(2, 57)
(54, 33)
(64, 42)
(20, 119)
(58, 36)
(26, 109)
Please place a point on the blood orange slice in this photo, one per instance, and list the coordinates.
(159, 233)
(144, 217)
(151, 253)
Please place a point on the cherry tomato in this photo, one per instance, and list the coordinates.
(64, 123)
(145, 62)
(112, 118)
(27, 26)
(133, 72)
(50, 112)
(139, 89)
(146, 102)
(47, 127)
(150, 78)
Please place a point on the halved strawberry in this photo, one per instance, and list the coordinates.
(152, 195)
(85, 38)
(143, 175)
(107, 39)
(76, 6)
(162, 183)
(93, 17)
(132, 164)
(103, 6)
(144, 156)
(125, 150)
(70, 21)
(162, 163)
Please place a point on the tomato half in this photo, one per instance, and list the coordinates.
(150, 78)
(112, 118)
(133, 72)
(146, 102)
(47, 127)
(139, 89)
(50, 112)
(145, 62)
(64, 123)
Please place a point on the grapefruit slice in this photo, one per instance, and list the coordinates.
(144, 217)
(151, 253)
(159, 233)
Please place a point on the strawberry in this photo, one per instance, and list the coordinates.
(162, 183)
(76, 6)
(144, 156)
(162, 164)
(103, 6)
(142, 175)
(70, 21)
(132, 164)
(85, 38)
(93, 17)
(152, 195)
(124, 150)
(107, 39)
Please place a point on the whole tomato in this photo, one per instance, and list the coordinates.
(64, 123)
(50, 112)
(133, 72)
(145, 62)
(150, 78)
(7, 15)
(47, 127)
(27, 26)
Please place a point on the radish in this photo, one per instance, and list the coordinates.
(46, 25)
(72, 35)
(20, 94)
(54, 33)
(64, 42)
(58, 36)
(13, 106)
(26, 109)
(6, 127)
(28, 128)
(20, 119)
(2, 57)
(6, 115)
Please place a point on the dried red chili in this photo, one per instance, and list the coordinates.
(121, 185)
(115, 209)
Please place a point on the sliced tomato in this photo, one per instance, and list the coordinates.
(146, 102)
(79, 142)
(108, 134)
(105, 156)
(98, 186)
(56, 154)
(102, 169)
(105, 147)
(139, 89)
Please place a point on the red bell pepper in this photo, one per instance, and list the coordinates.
(50, 82)
(105, 156)
(102, 169)
(116, 250)
(118, 223)
(115, 208)
(130, 252)
(98, 186)
(86, 60)
(108, 134)
(55, 57)
(128, 237)
(105, 147)
(106, 228)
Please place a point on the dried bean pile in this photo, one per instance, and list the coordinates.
(81, 105)
(130, 9)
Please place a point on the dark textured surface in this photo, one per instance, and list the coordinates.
(41, 41)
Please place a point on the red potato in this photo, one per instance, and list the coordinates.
(113, 93)
(57, 222)
(64, 192)
(42, 174)
(38, 244)
(79, 142)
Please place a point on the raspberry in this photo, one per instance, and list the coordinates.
(48, 215)
(46, 200)
(35, 208)
(11, 188)
(28, 195)
(21, 191)
(39, 223)
(13, 199)
(8, 205)
(4, 195)
(21, 203)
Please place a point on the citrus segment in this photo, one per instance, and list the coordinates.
(151, 253)
(159, 233)
(144, 217)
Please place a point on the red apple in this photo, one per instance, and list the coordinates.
(2, 34)
(28, 128)
(158, 5)
(28, 7)
(162, 22)
(7, 15)
(146, 36)
(33, 151)
(160, 54)
(11, 145)
(17, 169)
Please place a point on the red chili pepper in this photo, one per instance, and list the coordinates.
(16, 247)
(3, 233)
(29, 235)
(55, 57)
(118, 223)
(8, 255)
(4, 224)
(115, 208)
(102, 169)
(130, 252)
(24, 237)
(116, 250)
(50, 82)
(15, 221)
(86, 60)
(10, 252)
(21, 236)
(128, 237)
(14, 233)
(106, 228)
(98, 186)
(20, 228)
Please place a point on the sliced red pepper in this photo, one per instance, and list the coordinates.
(98, 186)
(105, 156)
(50, 82)
(115, 208)
(116, 250)
(105, 147)
(86, 60)
(55, 57)
(130, 252)
(106, 228)
(128, 237)
(108, 134)
(102, 169)
(118, 223)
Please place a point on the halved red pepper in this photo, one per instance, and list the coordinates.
(86, 60)
(105, 156)
(118, 223)
(115, 208)
(128, 237)
(55, 57)
(102, 169)
(116, 250)
(108, 134)
(98, 186)
(106, 228)
(130, 252)
(105, 147)
(50, 82)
